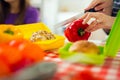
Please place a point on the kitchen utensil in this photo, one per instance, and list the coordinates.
(69, 20)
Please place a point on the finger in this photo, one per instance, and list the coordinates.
(84, 16)
(87, 18)
(92, 5)
(98, 26)
(91, 27)
(101, 11)
(100, 7)
(94, 29)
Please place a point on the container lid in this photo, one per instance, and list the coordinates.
(113, 42)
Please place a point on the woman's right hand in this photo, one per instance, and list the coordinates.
(104, 6)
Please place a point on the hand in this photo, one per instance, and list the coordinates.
(102, 21)
(104, 6)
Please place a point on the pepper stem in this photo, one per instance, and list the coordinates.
(81, 32)
(8, 31)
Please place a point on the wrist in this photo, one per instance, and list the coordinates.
(111, 22)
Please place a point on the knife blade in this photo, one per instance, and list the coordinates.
(69, 20)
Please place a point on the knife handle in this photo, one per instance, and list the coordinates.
(91, 10)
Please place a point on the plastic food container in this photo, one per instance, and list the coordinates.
(109, 50)
(29, 29)
(81, 57)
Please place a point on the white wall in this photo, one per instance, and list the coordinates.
(35, 3)
(49, 11)
(73, 5)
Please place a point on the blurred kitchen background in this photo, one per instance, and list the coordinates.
(55, 11)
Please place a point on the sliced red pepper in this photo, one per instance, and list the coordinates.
(75, 31)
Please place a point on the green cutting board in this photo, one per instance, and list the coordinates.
(113, 42)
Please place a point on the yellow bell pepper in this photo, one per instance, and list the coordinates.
(52, 44)
(29, 29)
(9, 32)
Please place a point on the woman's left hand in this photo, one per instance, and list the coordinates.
(101, 21)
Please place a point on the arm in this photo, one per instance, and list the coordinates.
(116, 7)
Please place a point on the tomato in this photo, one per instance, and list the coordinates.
(28, 49)
(9, 54)
(4, 70)
(17, 54)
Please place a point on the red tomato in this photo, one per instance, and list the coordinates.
(4, 70)
(18, 54)
(28, 49)
(9, 54)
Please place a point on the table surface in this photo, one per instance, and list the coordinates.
(110, 70)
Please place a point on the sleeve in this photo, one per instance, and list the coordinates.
(32, 15)
(116, 7)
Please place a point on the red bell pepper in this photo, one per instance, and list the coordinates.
(75, 31)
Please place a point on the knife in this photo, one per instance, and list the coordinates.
(69, 20)
(41, 71)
